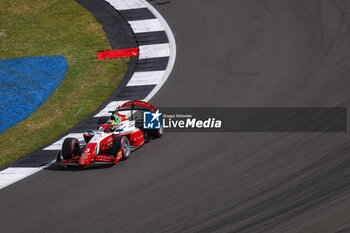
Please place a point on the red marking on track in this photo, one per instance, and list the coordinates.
(118, 53)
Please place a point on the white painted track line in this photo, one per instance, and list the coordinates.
(146, 78)
(154, 50)
(172, 48)
(58, 144)
(125, 4)
(110, 107)
(148, 25)
(14, 174)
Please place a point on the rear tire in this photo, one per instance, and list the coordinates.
(121, 143)
(155, 133)
(70, 148)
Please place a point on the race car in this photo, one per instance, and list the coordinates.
(116, 137)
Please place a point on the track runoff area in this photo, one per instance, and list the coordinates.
(156, 54)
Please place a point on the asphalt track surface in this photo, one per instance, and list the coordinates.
(229, 53)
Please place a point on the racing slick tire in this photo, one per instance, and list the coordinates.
(70, 148)
(101, 121)
(155, 133)
(121, 143)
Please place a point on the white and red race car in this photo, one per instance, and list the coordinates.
(115, 138)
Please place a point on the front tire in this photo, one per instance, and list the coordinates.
(70, 148)
(121, 144)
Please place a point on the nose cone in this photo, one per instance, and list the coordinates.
(83, 161)
(88, 153)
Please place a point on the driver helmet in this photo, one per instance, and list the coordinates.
(116, 119)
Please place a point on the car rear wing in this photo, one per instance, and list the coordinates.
(135, 105)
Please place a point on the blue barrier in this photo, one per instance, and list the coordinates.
(25, 84)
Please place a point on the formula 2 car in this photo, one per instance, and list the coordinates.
(116, 137)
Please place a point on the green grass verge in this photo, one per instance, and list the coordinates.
(56, 27)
